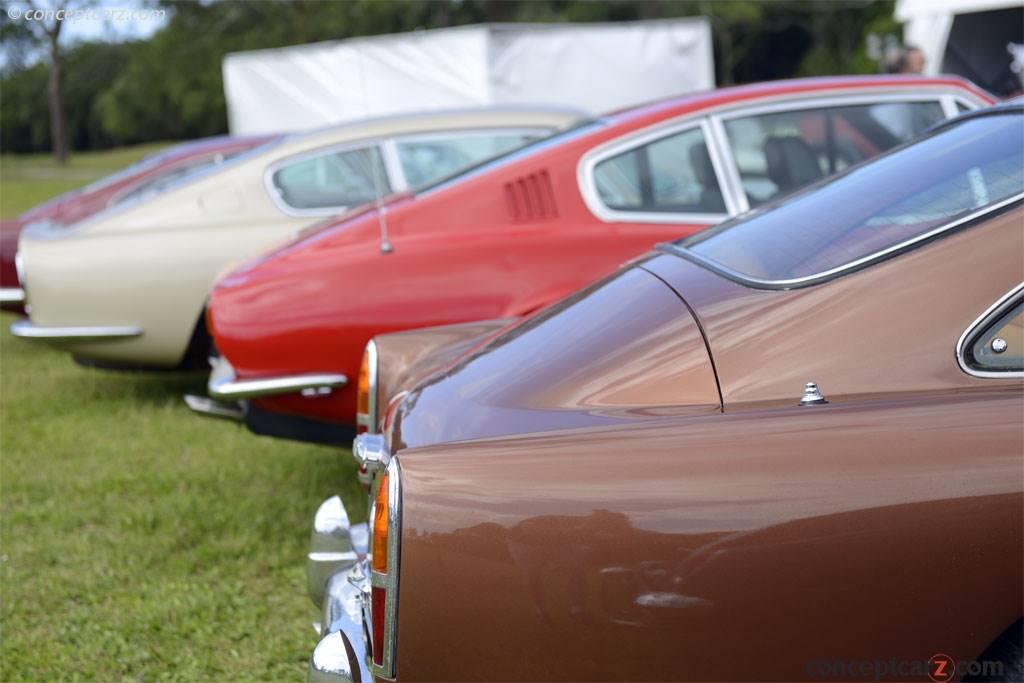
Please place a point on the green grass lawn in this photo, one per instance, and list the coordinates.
(29, 179)
(139, 542)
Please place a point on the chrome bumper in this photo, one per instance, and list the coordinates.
(212, 408)
(26, 329)
(12, 295)
(339, 584)
(224, 386)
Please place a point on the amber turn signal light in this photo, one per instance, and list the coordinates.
(363, 395)
(380, 527)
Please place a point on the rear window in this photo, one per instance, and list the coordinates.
(871, 210)
(162, 181)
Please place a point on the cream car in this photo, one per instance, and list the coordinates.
(128, 287)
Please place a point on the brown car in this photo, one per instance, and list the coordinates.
(787, 448)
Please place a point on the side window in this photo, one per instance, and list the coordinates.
(333, 180)
(427, 160)
(997, 343)
(781, 152)
(670, 175)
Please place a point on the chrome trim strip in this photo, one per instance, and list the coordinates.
(387, 581)
(372, 363)
(12, 295)
(948, 106)
(26, 329)
(393, 166)
(19, 267)
(731, 173)
(864, 261)
(289, 210)
(209, 407)
(718, 156)
(848, 99)
(224, 387)
(993, 311)
(774, 103)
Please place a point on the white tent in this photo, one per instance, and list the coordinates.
(967, 37)
(594, 67)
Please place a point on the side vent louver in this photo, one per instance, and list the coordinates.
(531, 198)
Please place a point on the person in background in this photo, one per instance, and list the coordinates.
(906, 60)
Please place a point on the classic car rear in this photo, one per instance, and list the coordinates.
(511, 237)
(146, 176)
(128, 287)
(787, 448)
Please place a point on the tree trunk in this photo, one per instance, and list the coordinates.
(58, 117)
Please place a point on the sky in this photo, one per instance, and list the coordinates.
(107, 20)
(116, 21)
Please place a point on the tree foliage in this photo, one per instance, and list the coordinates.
(170, 86)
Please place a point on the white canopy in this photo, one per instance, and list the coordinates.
(927, 23)
(594, 67)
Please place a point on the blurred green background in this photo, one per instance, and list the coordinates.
(169, 86)
(140, 542)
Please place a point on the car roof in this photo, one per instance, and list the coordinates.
(809, 87)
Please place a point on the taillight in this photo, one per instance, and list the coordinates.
(384, 557)
(366, 391)
(378, 599)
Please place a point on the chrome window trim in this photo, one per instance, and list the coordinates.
(388, 148)
(823, 276)
(393, 165)
(981, 323)
(712, 119)
(845, 100)
(949, 106)
(736, 195)
(388, 581)
(589, 161)
(350, 146)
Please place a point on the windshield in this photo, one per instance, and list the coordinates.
(874, 209)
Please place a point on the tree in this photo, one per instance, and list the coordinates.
(47, 22)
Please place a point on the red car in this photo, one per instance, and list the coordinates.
(531, 227)
(136, 181)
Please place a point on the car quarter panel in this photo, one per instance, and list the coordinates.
(125, 278)
(405, 358)
(625, 348)
(774, 539)
(888, 329)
